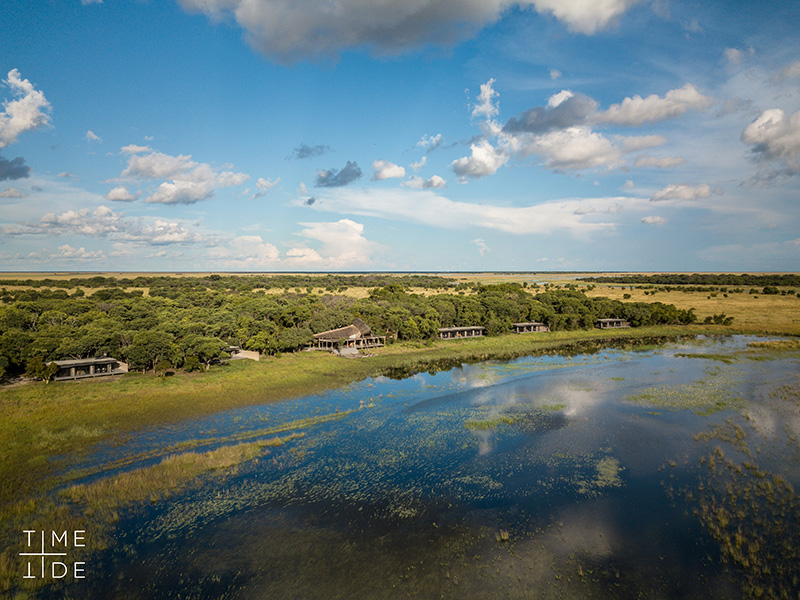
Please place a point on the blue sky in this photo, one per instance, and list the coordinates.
(274, 135)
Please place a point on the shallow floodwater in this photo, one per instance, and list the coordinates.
(622, 474)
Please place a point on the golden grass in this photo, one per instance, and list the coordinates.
(753, 313)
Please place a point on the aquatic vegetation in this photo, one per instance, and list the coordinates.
(725, 358)
(704, 397)
(749, 511)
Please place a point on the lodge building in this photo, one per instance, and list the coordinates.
(454, 333)
(357, 335)
(529, 327)
(88, 367)
(611, 323)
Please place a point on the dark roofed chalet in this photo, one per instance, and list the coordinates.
(356, 335)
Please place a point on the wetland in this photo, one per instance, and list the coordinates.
(665, 471)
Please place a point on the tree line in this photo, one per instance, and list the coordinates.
(743, 279)
(194, 324)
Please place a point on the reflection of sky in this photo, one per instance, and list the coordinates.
(587, 386)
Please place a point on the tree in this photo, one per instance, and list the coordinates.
(149, 347)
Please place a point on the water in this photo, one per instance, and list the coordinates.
(545, 477)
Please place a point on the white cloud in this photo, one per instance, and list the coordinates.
(247, 252)
(653, 220)
(666, 162)
(642, 142)
(573, 148)
(628, 184)
(157, 165)
(482, 247)
(484, 160)
(191, 181)
(289, 31)
(418, 183)
(555, 74)
(427, 207)
(12, 193)
(103, 222)
(486, 106)
(430, 142)
(793, 70)
(682, 191)
(181, 192)
(584, 16)
(67, 251)
(387, 170)
(637, 110)
(67, 175)
(776, 137)
(416, 166)
(120, 194)
(343, 245)
(91, 136)
(88, 2)
(134, 149)
(29, 111)
(264, 186)
(733, 56)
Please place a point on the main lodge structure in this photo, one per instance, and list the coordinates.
(358, 335)
(88, 367)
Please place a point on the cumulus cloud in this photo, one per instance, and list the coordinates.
(418, 183)
(563, 110)
(181, 192)
(12, 193)
(342, 245)
(484, 160)
(637, 110)
(333, 178)
(482, 247)
(653, 220)
(91, 136)
(290, 31)
(30, 110)
(574, 148)
(666, 162)
(682, 191)
(13, 169)
(103, 222)
(247, 252)
(416, 166)
(555, 74)
(135, 149)
(775, 137)
(430, 142)
(265, 185)
(120, 194)
(190, 181)
(387, 170)
(733, 55)
(584, 16)
(642, 142)
(67, 251)
(305, 151)
(486, 106)
(157, 165)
